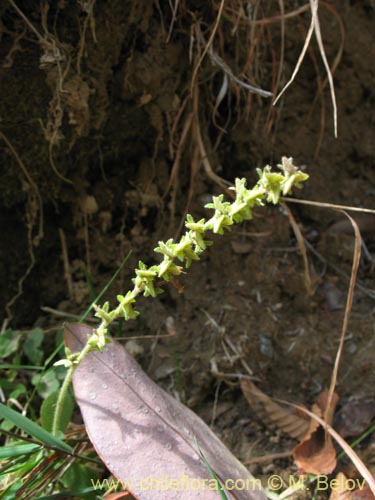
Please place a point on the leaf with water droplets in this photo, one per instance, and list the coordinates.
(153, 452)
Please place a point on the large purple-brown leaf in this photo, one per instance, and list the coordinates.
(144, 436)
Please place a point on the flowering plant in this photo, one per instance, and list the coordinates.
(177, 255)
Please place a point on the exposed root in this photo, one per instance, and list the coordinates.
(176, 163)
(174, 17)
(318, 35)
(88, 8)
(16, 47)
(208, 45)
(70, 92)
(302, 55)
(194, 166)
(67, 270)
(274, 19)
(204, 158)
(34, 215)
(314, 27)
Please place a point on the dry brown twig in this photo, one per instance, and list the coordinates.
(328, 205)
(348, 308)
(302, 248)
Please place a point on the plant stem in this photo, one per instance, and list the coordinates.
(64, 390)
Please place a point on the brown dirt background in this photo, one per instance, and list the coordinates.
(101, 98)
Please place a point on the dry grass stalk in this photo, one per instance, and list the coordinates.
(348, 308)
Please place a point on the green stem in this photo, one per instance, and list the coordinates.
(64, 390)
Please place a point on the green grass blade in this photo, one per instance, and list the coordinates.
(33, 429)
(89, 282)
(7, 366)
(17, 450)
(104, 289)
(220, 489)
(360, 438)
(81, 493)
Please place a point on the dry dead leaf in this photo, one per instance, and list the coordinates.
(355, 417)
(363, 494)
(315, 454)
(274, 414)
(340, 492)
